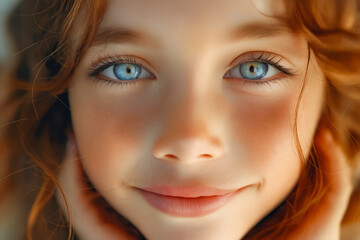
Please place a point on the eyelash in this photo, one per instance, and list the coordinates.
(104, 62)
(271, 59)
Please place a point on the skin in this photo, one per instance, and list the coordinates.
(87, 208)
(188, 124)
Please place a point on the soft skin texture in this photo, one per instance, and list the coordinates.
(188, 125)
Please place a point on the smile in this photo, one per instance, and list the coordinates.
(187, 201)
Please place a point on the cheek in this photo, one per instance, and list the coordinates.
(263, 126)
(264, 133)
(265, 143)
(109, 133)
(263, 137)
(311, 109)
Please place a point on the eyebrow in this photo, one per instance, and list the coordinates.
(253, 30)
(120, 35)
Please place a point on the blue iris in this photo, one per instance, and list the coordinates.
(127, 71)
(253, 70)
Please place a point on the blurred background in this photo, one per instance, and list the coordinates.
(9, 223)
(5, 7)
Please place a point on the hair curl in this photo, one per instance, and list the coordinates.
(47, 55)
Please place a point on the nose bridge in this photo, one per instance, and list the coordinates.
(187, 135)
(188, 112)
(190, 95)
(189, 103)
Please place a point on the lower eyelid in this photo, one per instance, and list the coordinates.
(111, 82)
(263, 83)
(270, 80)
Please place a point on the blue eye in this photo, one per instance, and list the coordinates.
(126, 72)
(253, 70)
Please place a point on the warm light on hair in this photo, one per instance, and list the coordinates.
(48, 54)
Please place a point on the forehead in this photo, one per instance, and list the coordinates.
(174, 18)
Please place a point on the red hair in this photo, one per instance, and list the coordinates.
(37, 102)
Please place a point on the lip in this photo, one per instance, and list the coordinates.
(187, 201)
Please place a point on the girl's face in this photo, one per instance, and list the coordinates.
(183, 112)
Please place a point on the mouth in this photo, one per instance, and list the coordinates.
(187, 201)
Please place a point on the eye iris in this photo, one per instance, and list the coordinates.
(253, 70)
(127, 71)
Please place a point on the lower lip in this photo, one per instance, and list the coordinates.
(187, 207)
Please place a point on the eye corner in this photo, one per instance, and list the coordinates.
(226, 75)
(152, 76)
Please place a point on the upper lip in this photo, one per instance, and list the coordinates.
(188, 191)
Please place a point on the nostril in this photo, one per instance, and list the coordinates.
(205, 156)
(170, 156)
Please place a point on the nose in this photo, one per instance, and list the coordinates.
(189, 149)
(188, 135)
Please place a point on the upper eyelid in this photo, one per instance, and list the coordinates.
(108, 61)
(239, 59)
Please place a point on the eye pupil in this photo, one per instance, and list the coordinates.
(252, 68)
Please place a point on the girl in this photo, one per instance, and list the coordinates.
(184, 119)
